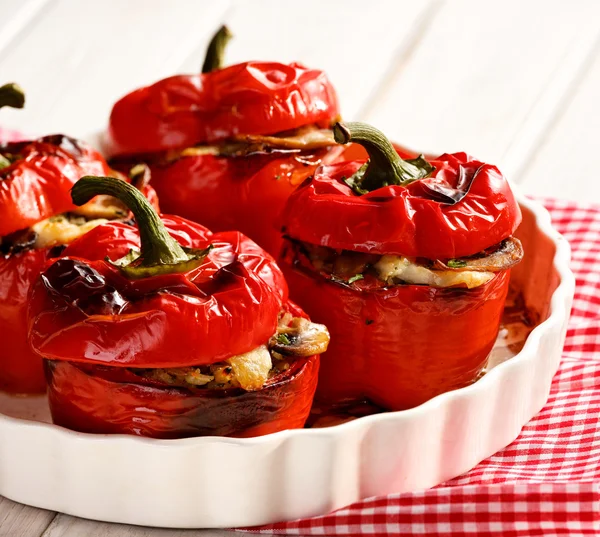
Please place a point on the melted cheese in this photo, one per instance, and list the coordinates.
(391, 267)
(251, 370)
(60, 230)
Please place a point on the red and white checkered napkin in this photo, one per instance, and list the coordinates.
(547, 482)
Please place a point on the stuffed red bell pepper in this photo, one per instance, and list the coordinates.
(38, 218)
(227, 146)
(189, 333)
(407, 263)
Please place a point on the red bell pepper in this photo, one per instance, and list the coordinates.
(34, 186)
(218, 143)
(407, 263)
(152, 343)
(116, 404)
(251, 98)
(35, 179)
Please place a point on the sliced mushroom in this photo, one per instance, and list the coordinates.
(305, 138)
(509, 253)
(300, 338)
(309, 137)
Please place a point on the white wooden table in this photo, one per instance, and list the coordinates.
(514, 82)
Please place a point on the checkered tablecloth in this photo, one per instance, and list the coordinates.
(547, 482)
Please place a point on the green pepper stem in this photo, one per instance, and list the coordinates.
(12, 95)
(215, 53)
(158, 248)
(385, 166)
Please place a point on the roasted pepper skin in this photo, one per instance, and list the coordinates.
(93, 325)
(153, 322)
(247, 98)
(405, 220)
(225, 192)
(84, 399)
(21, 370)
(400, 345)
(34, 187)
(246, 193)
(243, 193)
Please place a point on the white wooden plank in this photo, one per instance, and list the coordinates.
(488, 77)
(67, 526)
(354, 43)
(72, 78)
(17, 16)
(17, 520)
(563, 166)
(77, 92)
(80, 57)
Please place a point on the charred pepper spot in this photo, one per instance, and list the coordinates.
(68, 144)
(56, 251)
(110, 302)
(72, 278)
(17, 242)
(82, 286)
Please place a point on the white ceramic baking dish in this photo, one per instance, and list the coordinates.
(221, 482)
